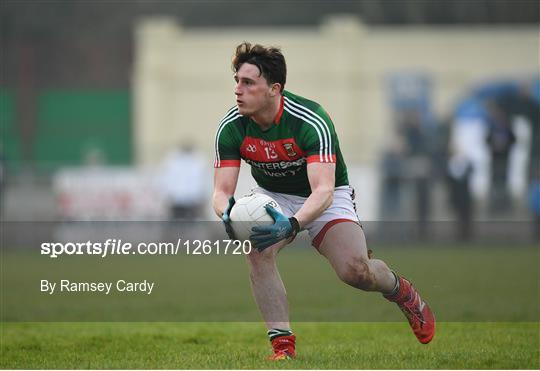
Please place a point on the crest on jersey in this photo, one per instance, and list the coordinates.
(289, 148)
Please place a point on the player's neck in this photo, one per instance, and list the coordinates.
(266, 116)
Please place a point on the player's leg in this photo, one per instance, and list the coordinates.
(267, 287)
(344, 245)
(271, 298)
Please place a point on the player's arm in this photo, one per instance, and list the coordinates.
(226, 163)
(225, 180)
(322, 181)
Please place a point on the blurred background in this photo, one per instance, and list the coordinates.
(109, 108)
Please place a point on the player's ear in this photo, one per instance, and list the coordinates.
(275, 89)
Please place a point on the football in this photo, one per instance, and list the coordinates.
(249, 211)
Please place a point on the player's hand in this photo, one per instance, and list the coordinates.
(283, 228)
(226, 218)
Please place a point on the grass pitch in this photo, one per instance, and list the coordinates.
(202, 315)
(244, 346)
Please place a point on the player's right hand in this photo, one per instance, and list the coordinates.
(225, 217)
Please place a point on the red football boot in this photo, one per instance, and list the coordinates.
(283, 347)
(416, 310)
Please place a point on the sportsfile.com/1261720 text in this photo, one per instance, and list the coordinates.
(113, 246)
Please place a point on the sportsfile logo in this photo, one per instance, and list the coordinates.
(118, 247)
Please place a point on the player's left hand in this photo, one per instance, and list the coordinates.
(226, 218)
(283, 228)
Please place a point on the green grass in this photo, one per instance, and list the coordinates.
(202, 315)
(460, 284)
(244, 346)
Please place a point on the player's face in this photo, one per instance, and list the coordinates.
(253, 94)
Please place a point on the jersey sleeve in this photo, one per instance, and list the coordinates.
(318, 137)
(227, 143)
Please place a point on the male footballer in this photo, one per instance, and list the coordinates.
(292, 147)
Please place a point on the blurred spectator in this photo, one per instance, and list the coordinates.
(500, 140)
(459, 175)
(467, 138)
(439, 141)
(495, 147)
(522, 105)
(407, 165)
(184, 183)
(418, 166)
(392, 179)
(524, 109)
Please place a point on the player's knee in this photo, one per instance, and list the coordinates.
(357, 273)
(260, 262)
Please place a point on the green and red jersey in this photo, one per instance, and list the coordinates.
(303, 133)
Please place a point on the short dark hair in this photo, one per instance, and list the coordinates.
(269, 61)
